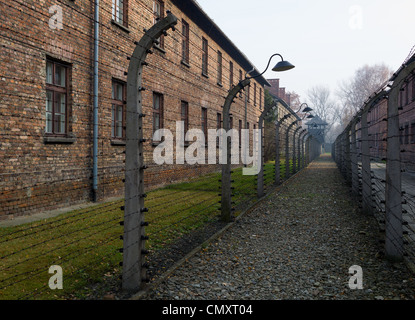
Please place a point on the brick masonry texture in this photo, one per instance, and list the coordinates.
(39, 173)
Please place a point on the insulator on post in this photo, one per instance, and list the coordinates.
(143, 140)
(122, 208)
(141, 89)
(144, 210)
(149, 51)
(121, 223)
(144, 238)
(144, 224)
(165, 33)
(144, 251)
(144, 63)
(144, 195)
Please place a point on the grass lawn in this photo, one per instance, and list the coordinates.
(86, 242)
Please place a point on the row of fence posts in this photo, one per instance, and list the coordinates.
(352, 153)
(305, 149)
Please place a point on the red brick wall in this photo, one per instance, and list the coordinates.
(38, 176)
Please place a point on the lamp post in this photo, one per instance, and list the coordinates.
(226, 203)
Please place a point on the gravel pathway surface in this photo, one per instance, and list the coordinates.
(299, 243)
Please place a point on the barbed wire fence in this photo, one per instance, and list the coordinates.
(376, 155)
(130, 240)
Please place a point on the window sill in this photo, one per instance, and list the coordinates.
(118, 142)
(185, 63)
(160, 49)
(119, 25)
(58, 140)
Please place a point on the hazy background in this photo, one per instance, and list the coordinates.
(326, 40)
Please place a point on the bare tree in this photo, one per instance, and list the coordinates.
(324, 107)
(355, 91)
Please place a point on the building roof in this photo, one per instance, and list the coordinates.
(195, 12)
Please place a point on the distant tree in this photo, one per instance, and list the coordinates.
(354, 92)
(323, 105)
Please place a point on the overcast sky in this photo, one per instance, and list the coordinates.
(327, 40)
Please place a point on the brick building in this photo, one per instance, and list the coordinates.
(47, 85)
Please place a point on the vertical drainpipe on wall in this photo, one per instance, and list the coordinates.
(95, 105)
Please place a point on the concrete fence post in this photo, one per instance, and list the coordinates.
(295, 149)
(366, 176)
(260, 178)
(226, 200)
(134, 273)
(287, 149)
(354, 159)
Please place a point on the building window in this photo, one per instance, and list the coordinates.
(204, 122)
(220, 68)
(230, 74)
(158, 13)
(57, 93)
(240, 133)
(240, 79)
(184, 115)
(185, 42)
(205, 55)
(254, 94)
(260, 98)
(413, 89)
(158, 110)
(413, 132)
(119, 12)
(118, 101)
(406, 134)
(218, 126)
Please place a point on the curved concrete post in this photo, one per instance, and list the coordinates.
(134, 235)
(226, 202)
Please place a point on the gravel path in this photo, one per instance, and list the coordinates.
(299, 243)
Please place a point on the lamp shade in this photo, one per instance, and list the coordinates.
(307, 109)
(283, 66)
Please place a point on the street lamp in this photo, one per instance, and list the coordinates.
(306, 110)
(283, 65)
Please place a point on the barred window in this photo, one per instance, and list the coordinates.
(118, 101)
(57, 92)
(119, 11)
(185, 42)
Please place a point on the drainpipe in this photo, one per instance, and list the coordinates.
(95, 103)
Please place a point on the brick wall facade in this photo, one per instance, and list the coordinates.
(43, 171)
